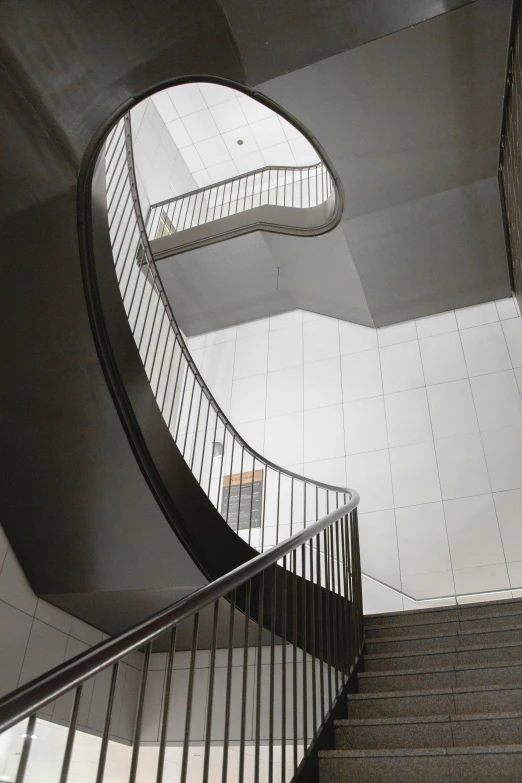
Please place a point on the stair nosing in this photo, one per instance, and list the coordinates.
(436, 609)
(435, 651)
(412, 719)
(436, 691)
(452, 750)
(458, 633)
(440, 670)
(440, 622)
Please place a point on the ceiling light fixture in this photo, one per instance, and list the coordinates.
(240, 142)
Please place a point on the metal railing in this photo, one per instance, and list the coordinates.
(292, 623)
(262, 502)
(301, 187)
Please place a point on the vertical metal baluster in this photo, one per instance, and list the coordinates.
(205, 439)
(320, 594)
(220, 482)
(313, 590)
(278, 504)
(273, 582)
(189, 411)
(265, 482)
(334, 626)
(284, 194)
(230, 476)
(229, 685)
(26, 749)
(304, 503)
(166, 707)
(291, 507)
(251, 500)
(190, 694)
(342, 605)
(260, 615)
(210, 701)
(327, 618)
(284, 595)
(180, 411)
(248, 593)
(194, 447)
(240, 488)
(70, 736)
(175, 386)
(304, 584)
(194, 209)
(294, 658)
(212, 458)
(348, 612)
(107, 727)
(139, 715)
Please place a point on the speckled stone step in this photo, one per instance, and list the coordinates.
(491, 764)
(441, 614)
(454, 639)
(491, 652)
(430, 731)
(437, 701)
(444, 677)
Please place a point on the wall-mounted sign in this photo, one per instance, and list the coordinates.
(241, 499)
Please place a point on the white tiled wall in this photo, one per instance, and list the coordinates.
(36, 636)
(423, 418)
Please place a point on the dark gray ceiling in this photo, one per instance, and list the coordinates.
(411, 123)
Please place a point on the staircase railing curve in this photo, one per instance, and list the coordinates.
(287, 648)
(285, 187)
(262, 502)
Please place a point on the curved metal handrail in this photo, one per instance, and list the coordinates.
(33, 696)
(195, 419)
(285, 187)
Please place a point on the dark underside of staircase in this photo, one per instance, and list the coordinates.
(439, 701)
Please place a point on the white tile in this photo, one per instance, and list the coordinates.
(378, 546)
(503, 449)
(251, 355)
(213, 151)
(401, 367)
(250, 162)
(291, 132)
(308, 315)
(477, 315)
(16, 628)
(284, 439)
(4, 546)
(303, 152)
(323, 433)
(85, 632)
(361, 375)
(420, 586)
(15, 589)
(217, 362)
(260, 326)
(228, 115)
(508, 506)
(414, 474)
(53, 616)
(513, 334)
(370, 475)
(284, 391)
(441, 323)
(179, 134)
(442, 358)
(253, 110)
(321, 339)
(222, 393)
(268, 132)
(473, 531)
(200, 126)
(322, 382)
(248, 399)
(285, 348)
(355, 338)
(186, 98)
(378, 599)
(244, 135)
(279, 155)
(485, 348)
(222, 171)
(215, 94)
(329, 471)
(451, 409)
(197, 341)
(518, 376)
(506, 308)
(364, 425)
(423, 542)
(462, 467)
(407, 417)
(165, 106)
(285, 320)
(397, 333)
(481, 578)
(253, 433)
(515, 575)
(192, 158)
(221, 336)
(497, 400)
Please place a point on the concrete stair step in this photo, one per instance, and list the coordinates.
(436, 701)
(486, 653)
(445, 613)
(445, 677)
(448, 626)
(445, 641)
(429, 731)
(501, 764)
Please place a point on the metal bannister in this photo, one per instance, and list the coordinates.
(300, 187)
(306, 592)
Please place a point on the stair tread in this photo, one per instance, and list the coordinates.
(439, 651)
(446, 718)
(458, 632)
(436, 691)
(448, 608)
(457, 619)
(439, 669)
(452, 750)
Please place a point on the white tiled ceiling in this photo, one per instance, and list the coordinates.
(206, 121)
